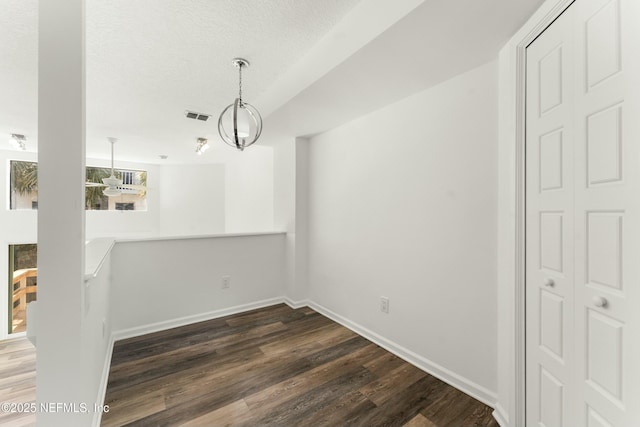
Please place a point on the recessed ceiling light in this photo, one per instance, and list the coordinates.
(163, 156)
(202, 145)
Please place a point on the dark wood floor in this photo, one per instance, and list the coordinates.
(17, 380)
(275, 366)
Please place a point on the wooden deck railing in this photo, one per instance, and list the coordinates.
(20, 292)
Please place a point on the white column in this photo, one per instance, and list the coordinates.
(284, 175)
(61, 214)
(291, 175)
(301, 219)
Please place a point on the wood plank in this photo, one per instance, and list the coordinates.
(420, 421)
(233, 414)
(403, 406)
(137, 407)
(338, 410)
(384, 364)
(18, 420)
(328, 354)
(17, 379)
(276, 366)
(482, 415)
(194, 400)
(266, 400)
(380, 390)
(295, 412)
(447, 408)
(192, 354)
(204, 373)
(260, 316)
(317, 338)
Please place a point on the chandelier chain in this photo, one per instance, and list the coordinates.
(240, 83)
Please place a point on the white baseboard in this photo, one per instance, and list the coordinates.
(97, 416)
(187, 320)
(501, 416)
(296, 304)
(472, 389)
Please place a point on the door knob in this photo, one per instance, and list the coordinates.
(599, 301)
(548, 282)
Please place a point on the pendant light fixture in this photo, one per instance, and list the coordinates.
(240, 124)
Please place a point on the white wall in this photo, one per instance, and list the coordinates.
(249, 190)
(402, 203)
(96, 338)
(192, 199)
(164, 281)
(181, 200)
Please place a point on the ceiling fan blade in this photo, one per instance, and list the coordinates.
(94, 184)
(133, 187)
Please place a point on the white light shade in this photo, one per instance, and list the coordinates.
(113, 183)
(244, 120)
(111, 192)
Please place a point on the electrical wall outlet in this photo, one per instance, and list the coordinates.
(226, 282)
(384, 304)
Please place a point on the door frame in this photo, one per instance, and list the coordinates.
(511, 401)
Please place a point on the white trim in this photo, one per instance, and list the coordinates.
(187, 320)
(196, 236)
(16, 335)
(96, 252)
(469, 387)
(512, 127)
(296, 304)
(102, 390)
(501, 416)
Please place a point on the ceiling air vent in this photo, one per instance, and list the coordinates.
(197, 116)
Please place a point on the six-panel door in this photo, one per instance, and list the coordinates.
(583, 218)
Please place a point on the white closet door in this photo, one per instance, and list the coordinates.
(550, 216)
(607, 212)
(583, 218)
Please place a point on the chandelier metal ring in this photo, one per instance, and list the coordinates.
(240, 123)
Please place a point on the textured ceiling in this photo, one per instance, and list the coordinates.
(436, 41)
(315, 64)
(149, 60)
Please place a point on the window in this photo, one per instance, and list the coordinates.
(127, 177)
(24, 188)
(24, 185)
(124, 206)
